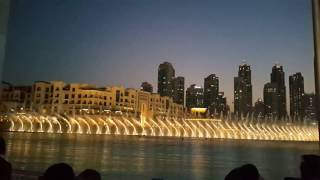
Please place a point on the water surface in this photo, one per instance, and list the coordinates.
(139, 158)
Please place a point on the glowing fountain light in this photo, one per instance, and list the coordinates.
(224, 127)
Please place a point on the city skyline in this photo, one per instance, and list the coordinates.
(129, 52)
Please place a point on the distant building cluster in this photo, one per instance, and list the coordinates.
(208, 97)
(59, 97)
(171, 99)
(243, 91)
(274, 103)
(169, 85)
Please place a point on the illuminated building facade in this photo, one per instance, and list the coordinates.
(59, 97)
(296, 87)
(166, 74)
(243, 90)
(145, 86)
(275, 94)
(309, 105)
(211, 93)
(178, 90)
(194, 97)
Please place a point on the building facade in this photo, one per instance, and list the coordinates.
(222, 107)
(178, 90)
(194, 97)
(275, 94)
(309, 104)
(296, 89)
(259, 109)
(271, 100)
(145, 86)
(59, 97)
(278, 77)
(211, 93)
(166, 74)
(243, 90)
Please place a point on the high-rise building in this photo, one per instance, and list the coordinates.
(271, 99)
(178, 90)
(309, 106)
(145, 86)
(296, 86)
(194, 96)
(243, 90)
(211, 92)
(222, 106)
(258, 109)
(275, 94)
(166, 74)
(278, 77)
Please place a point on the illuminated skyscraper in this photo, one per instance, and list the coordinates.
(243, 90)
(178, 90)
(194, 96)
(296, 86)
(211, 92)
(275, 94)
(259, 109)
(271, 99)
(309, 105)
(166, 74)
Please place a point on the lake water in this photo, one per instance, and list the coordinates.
(141, 158)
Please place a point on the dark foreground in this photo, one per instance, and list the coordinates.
(128, 157)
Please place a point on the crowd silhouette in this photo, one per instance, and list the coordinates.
(309, 170)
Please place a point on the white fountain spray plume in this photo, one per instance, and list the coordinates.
(199, 132)
(126, 131)
(69, 127)
(77, 128)
(137, 124)
(106, 120)
(134, 131)
(12, 127)
(85, 123)
(163, 125)
(193, 133)
(54, 121)
(39, 120)
(104, 125)
(249, 128)
(213, 132)
(204, 130)
(151, 128)
(98, 130)
(185, 132)
(157, 125)
(173, 130)
(117, 132)
(28, 119)
(21, 129)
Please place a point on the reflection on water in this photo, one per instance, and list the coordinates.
(127, 157)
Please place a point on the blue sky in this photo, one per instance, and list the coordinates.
(121, 42)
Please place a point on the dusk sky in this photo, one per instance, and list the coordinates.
(122, 42)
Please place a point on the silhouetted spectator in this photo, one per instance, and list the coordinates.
(245, 172)
(89, 174)
(60, 171)
(310, 167)
(5, 166)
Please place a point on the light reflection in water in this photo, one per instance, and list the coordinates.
(133, 157)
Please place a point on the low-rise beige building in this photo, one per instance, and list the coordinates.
(59, 97)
